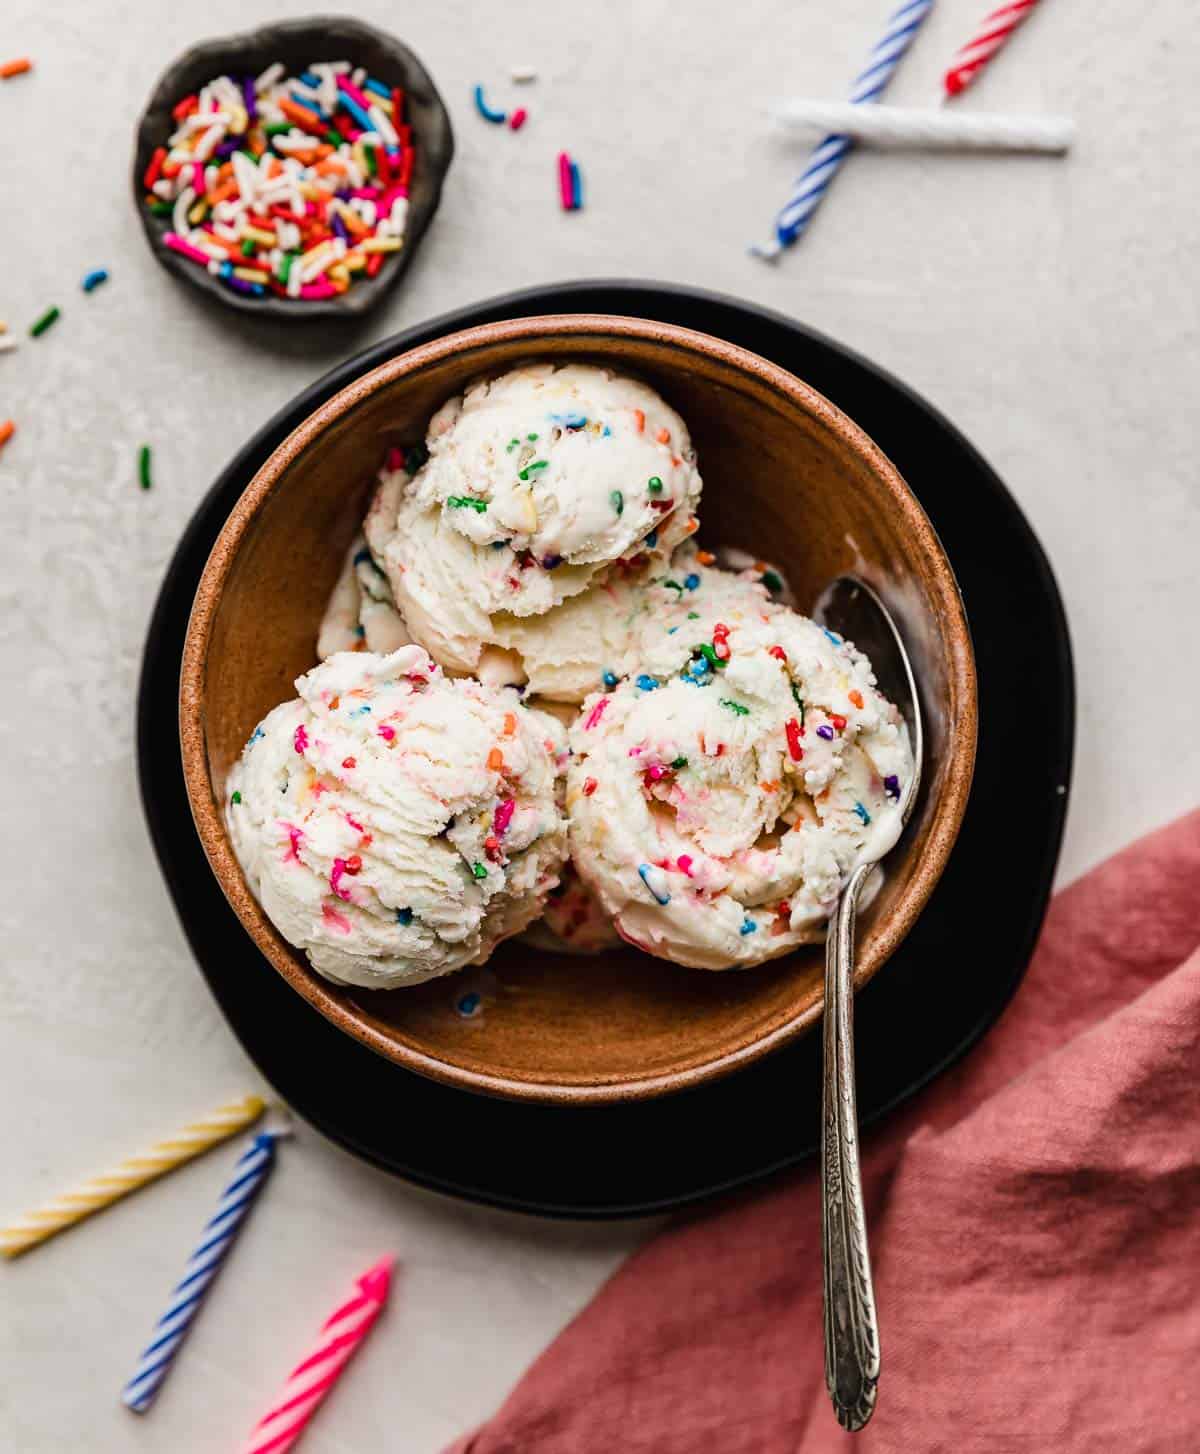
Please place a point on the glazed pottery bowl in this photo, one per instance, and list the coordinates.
(297, 43)
(786, 476)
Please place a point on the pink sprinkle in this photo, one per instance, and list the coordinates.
(300, 739)
(355, 824)
(295, 839)
(181, 245)
(335, 879)
(636, 751)
(656, 773)
(198, 178)
(368, 193)
(518, 119)
(684, 862)
(595, 714)
(319, 289)
(331, 916)
(351, 90)
(395, 458)
(387, 733)
(504, 816)
(566, 191)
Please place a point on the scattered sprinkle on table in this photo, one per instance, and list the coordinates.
(7, 342)
(47, 320)
(15, 68)
(144, 467)
(518, 119)
(7, 430)
(295, 185)
(92, 280)
(522, 75)
(570, 183)
(489, 113)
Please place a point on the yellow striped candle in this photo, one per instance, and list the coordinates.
(135, 1171)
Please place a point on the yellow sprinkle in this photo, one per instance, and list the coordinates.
(380, 244)
(252, 275)
(135, 1171)
(256, 234)
(339, 273)
(315, 252)
(354, 262)
(198, 213)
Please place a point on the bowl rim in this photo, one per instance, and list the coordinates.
(326, 997)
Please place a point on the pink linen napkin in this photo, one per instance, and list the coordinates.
(1035, 1227)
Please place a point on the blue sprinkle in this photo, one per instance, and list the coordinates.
(862, 813)
(652, 539)
(358, 711)
(609, 678)
(644, 872)
(692, 581)
(825, 732)
(404, 916)
(498, 544)
(371, 84)
(225, 270)
(482, 107)
(551, 562)
(255, 735)
(671, 630)
(360, 556)
(469, 1004)
(606, 432)
(647, 683)
(748, 926)
(359, 632)
(94, 279)
(312, 105)
(570, 421)
(833, 636)
(310, 78)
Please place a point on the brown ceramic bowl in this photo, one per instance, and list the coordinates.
(786, 475)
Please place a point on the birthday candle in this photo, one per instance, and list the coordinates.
(252, 1169)
(813, 182)
(133, 1172)
(994, 31)
(341, 1336)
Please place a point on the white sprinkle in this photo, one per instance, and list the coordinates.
(165, 188)
(7, 343)
(269, 76)
(383, 126)
(522, 75)
(183, 202)
(358, 76)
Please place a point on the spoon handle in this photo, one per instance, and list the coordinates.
(851, 1329)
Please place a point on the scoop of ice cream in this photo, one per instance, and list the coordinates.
(395, 824)
(575, 921)
(720, 798)
(360, 614)
(539, 483)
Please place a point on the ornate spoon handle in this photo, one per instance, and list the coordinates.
(851, 1329)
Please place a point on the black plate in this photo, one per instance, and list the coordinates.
(939, 994)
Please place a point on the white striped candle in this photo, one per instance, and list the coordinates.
(252, 1169)
(813, 182)
(340, 1338)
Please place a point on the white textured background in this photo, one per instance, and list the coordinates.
(1049, 307)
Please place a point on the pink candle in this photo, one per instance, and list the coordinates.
(312, 1378)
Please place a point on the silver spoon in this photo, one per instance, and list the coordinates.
(851, 608)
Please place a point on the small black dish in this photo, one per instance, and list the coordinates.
(297, 43)
(939, 994)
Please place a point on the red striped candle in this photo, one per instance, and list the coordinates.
(312, 1378)
(993, 32)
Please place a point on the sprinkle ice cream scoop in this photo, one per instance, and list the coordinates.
(720, 798)
(539, 483)
(394, 824)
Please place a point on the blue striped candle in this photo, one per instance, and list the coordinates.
(252, 1169)
(871, 82)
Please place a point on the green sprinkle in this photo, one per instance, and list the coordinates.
(144, 467)
(735, 707)
(678, 763)
(414, 457)
(674, 585)
(654, 484)
(278, 128)
(334, 138)
(50, 316)
(369, 154)
(161, 209)
(772, 581)
(478, 870)
(799, 701)
(236, 798)
(460, 502)
(617, 501)
(532, 438)
(285, 265)
(709, 655)
(693, 615)
(511, 445)
(538, 464)
(248, 247)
